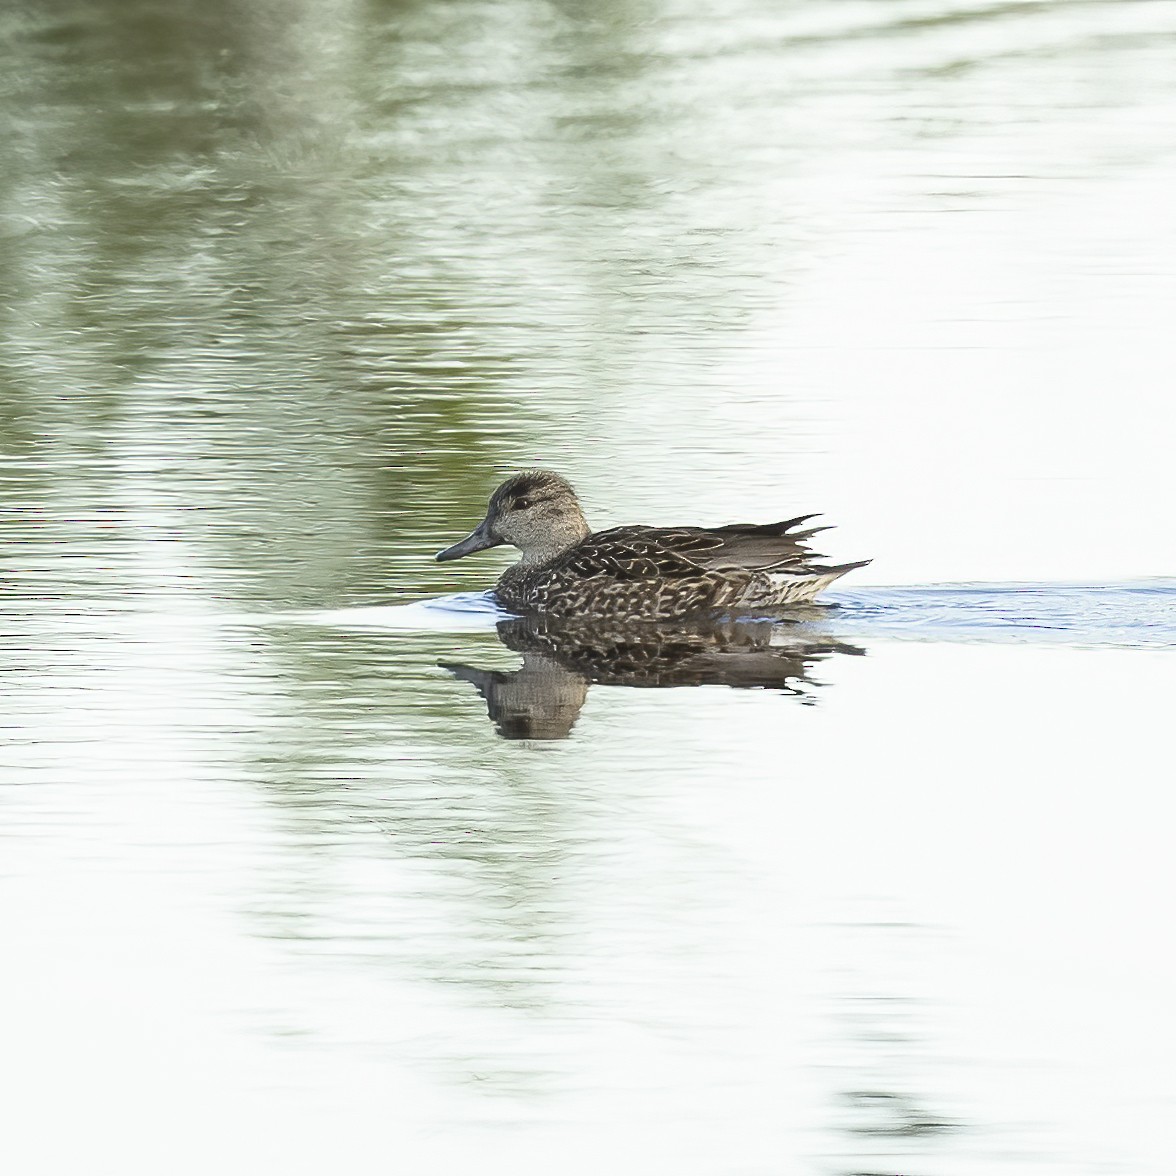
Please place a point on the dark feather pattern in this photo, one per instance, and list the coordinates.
(658, 574)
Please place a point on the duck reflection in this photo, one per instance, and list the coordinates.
(542, 698)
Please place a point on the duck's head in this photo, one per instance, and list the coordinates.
(536, 511)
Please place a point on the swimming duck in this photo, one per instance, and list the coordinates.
(640, 573)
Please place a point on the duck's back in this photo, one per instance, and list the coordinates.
(737, 545)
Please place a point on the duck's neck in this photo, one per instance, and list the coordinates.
(569, 530)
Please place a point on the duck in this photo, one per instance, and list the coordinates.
(640, 573)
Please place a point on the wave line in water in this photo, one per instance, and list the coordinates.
(1140, 613)
(1134, 614)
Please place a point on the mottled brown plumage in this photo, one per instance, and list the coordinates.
(640, 573)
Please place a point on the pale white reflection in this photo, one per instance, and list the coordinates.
(967, 397)
(923, 924)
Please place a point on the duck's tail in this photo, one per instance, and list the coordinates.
(840, 569)
(797, 587)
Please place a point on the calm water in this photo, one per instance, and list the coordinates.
(309, 864)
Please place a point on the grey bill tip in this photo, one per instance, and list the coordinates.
(477, 540)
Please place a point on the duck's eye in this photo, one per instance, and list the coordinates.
(522, 503)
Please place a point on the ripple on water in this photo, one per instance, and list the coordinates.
(1141, 613)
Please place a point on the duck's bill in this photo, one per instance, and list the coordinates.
(477, 540)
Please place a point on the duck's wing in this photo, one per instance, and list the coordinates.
(754, 547)
(676, 572)
(630, 553)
